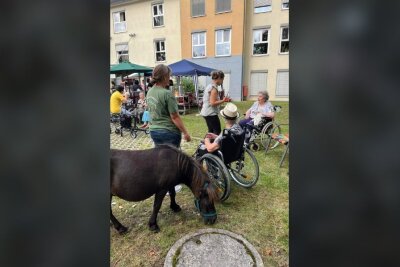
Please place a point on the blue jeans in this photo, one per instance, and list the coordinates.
(166, 137)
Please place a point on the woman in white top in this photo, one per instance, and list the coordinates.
(261, 106)
(211, 103)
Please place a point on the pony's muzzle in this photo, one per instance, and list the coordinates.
(210, 220)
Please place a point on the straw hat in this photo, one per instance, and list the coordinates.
(230, 112)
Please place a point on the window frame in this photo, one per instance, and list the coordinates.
(205, 43)
(283, 40)
(191, 9)
(161, 51)
(158, 10)
(261, 42)
(127, 49)
(225, 11)
(261, 11)
(285, 8)
(230, 42)
(115, 22)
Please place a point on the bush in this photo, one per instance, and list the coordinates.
(188, 85)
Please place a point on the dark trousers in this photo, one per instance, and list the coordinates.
(213, 124)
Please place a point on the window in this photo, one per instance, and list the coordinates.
(260, 41)
(222, 6)
(158, 15)
(119, 22)
(261, 6)
(160, 50)
(282, 83)
(198, 8)
(258, 82)
(285, 4)
(122, 52)
(284, 40)
(223, 42)
(199, 44)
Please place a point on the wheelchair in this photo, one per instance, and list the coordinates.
(261, 133)
(123, 121)
(232, 161)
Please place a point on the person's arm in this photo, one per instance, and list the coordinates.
(176, 119)
(269, 111)
(248, 113)
(214, 98)
(211, 147)
(123, 98)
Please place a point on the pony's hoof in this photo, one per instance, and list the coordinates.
(122, 230)
(176, 208)
(154, 228)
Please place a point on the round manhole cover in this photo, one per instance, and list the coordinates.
(212, 247)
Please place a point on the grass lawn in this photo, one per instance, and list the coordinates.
(259, 214)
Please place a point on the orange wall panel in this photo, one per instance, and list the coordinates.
(210, 22)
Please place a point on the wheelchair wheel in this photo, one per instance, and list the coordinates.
(133, 133)
(245, 171)
(266, 133)
(218, 174)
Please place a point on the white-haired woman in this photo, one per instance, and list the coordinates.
(262, 106)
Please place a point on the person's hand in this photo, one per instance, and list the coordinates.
(211, 136)
(186, 136)
(227, 99)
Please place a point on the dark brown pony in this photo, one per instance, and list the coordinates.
(137, 175)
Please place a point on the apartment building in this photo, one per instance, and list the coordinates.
(212, 36)
(266, 49)
(145, 32)
(247, 39)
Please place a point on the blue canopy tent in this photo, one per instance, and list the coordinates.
(188, 68)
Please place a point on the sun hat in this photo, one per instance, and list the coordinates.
(230, 112)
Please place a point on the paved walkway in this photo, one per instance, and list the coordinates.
(143, 141)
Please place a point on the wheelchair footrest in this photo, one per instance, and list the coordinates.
(281, 138)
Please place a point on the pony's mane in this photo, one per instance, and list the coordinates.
(189, 167)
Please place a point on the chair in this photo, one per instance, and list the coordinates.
(282, 139)
(183, 102)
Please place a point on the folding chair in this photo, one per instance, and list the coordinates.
(284, 140)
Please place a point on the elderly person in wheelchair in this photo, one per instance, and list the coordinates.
(224, 156)
(260, 113)
(261, 108)
(212, 142)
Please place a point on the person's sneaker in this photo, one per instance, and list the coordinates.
(143, 126)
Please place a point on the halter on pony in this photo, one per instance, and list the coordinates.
(197, 204)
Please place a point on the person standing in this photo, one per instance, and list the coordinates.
(167, 125)
(211, 102)
(136, 87)
(116, 99)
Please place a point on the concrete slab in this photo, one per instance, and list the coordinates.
(213, 247)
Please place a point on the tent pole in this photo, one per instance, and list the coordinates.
(196, 88)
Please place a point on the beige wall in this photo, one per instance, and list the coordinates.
(139, 21)
(273, 61)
